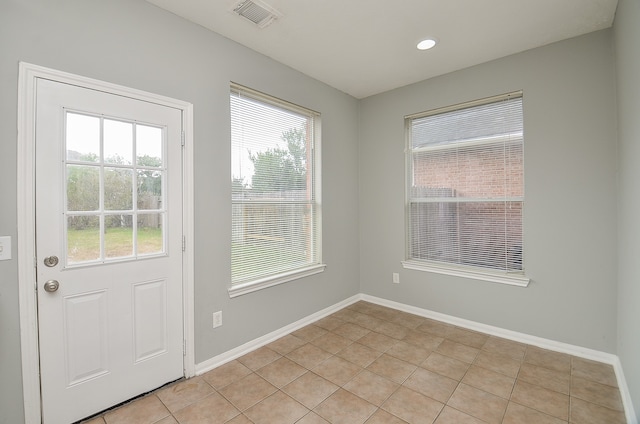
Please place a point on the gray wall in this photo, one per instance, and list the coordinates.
(626, 36)
(138, 45)
(570, 228)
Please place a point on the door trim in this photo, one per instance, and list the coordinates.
(28, 76)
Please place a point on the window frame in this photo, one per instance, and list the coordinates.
(442, 267)
(272, 279)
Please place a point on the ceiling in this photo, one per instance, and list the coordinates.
(365, 47)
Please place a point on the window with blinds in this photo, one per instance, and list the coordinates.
(275, 191)
(465, 185)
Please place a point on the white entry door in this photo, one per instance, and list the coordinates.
(109, 248)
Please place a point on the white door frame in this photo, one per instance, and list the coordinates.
(28, 75)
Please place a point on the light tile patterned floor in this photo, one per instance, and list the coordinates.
(371, 364)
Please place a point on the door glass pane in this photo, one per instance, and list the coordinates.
(150, 238)
(149, 189)
(82, 137)
(118, 142)
(118, 189)
(118, 236)
(83, 238)
(83, 188)
(149, 146)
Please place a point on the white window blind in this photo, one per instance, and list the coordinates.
(465, 190)
(275, 189)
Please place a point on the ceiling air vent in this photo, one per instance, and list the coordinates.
(257, 12)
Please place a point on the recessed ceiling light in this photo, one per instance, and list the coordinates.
(426, 44)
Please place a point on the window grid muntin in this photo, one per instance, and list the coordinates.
(101, 212)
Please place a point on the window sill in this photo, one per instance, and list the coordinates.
(274, 280)
(509, 279)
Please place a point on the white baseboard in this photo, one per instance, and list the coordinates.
(254, 344)
(578, 351)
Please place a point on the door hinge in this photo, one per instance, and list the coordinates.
(182, 139)
(184, 347)
(184, 243)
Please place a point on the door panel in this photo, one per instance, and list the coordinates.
(109, 207)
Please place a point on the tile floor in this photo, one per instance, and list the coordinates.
(371, 364)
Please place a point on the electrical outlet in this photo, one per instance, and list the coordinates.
(217, 319)
(396, 278)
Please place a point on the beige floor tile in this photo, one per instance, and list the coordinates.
(548, 359)
(226, 374)
(595, 371)
(392, 368)
(239, 419)
(506, 347)
(409, 320)
(479, 404)
(518, 414)
(545, 377)
(259, 358)
(409, 353)
(363, 307)
(412, 406)
(312, 418)
(213, 409)
(395, 331)
(310, 332)
(343, 407)
(310, 389)
(597, 393)
(423, 340)
(248, 391)
(467, 337)
(146, 410)
(385, 314)
(437, 373)
(308, 355)
(277, 408)
(541, 399)
(168, 420)
(286, 344)
(436, 328)
(96, 420)
(383, 417)
(281, 372)
(489, 381)
(377, 341)
(445, 365)
(328, 323)
(346, 314)
(458, 351)
(351, 331)
(367, 321)
(337, 370)
(453, 416)
(498, 363)
(183, 393)
(331, 342)
(371, 387)
(359, 354)
(583, 412)
(430, 384)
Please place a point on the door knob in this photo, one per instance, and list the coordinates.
(51, 286)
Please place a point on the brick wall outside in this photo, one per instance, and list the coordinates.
(486, 234)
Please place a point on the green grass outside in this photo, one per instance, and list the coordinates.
(84, 245)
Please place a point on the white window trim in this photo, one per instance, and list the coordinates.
(518, 279)
(261, 283)
(274, 280)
